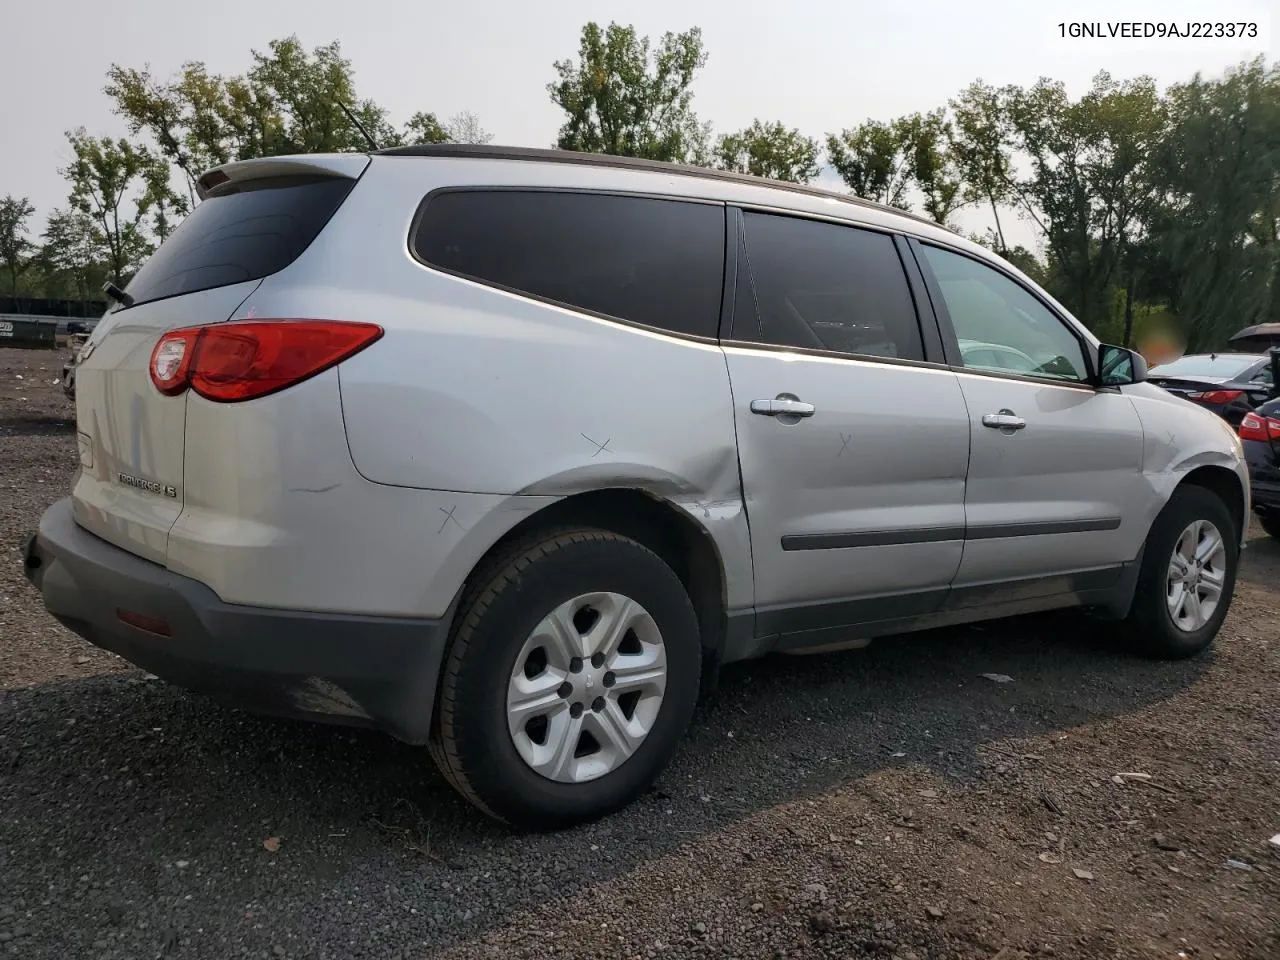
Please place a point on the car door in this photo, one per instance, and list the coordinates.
(1055, 482)
(853, 448)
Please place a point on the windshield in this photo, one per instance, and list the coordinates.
(1225, 365)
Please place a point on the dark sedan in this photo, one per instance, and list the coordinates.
(1229, 384)
(1260, 435)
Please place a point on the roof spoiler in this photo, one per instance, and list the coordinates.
(344, 165)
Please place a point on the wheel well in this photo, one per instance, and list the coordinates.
(663, 528)
(1226, 485)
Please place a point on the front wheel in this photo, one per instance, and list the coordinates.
(1187, 578)
(570, 678)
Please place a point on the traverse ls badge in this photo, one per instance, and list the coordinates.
(150, 486)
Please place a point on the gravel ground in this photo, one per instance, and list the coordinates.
(885, 803)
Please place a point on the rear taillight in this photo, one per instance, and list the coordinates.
(1216, 396)
(244, 359)
(171, 360)
(1254, 426)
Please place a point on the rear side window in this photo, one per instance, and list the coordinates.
(825, 287)
(246, 231)
(656, 262)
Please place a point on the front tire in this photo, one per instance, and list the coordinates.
(571, 675)
(1187, 577)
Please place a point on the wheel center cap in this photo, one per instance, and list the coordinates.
(590, 682)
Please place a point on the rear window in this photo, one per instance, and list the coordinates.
(655, 262)
(1206, 365)
(246, 231)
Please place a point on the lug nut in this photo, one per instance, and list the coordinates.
(575, 665)
(566, 688)
(597, 704)
(597, 660)
(610, 679)
(575, 711)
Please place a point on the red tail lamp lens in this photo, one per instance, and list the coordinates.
(1217, 396)
(1255, 426)
(171, 361)
(244, 359)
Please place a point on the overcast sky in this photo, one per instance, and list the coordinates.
(819, 66)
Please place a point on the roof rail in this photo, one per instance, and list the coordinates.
(482, 151)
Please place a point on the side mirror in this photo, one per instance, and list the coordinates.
(1118, 366)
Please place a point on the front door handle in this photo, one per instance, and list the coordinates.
(1004, 420)
(783, 406)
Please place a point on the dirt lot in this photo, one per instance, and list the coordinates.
(885, 803)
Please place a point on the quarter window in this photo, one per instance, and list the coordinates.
(824, 286)
(656, 262)
(1001, 326)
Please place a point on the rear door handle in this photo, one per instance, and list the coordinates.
(783, 406)
(1004, 420)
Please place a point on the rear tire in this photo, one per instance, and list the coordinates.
(513, 708)
(1179, 605)
(1270, 525)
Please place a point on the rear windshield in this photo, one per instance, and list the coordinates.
(246, 231)
(1227, 366)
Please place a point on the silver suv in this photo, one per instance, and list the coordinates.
(506, 451)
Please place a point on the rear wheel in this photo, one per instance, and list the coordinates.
(1187, 578)
(570, 678)
(1270, 525)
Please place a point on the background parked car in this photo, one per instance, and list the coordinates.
(1229, 384)
(1259, 337)
(1260, 434)
(996, 356)
(75, 343)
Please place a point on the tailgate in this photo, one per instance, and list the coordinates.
(131, 437)
(257, 217)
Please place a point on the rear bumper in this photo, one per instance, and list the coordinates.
(358, 670)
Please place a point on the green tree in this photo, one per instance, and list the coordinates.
(1217, 232)
(289, 101)
(70, 256)
(874, 160)
(769, 150)
(622, 101)
(1090, 185)
(424, 128)
(934, 171)
(15, 246)
(980, 145)
(116, 185)
(190, 118)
